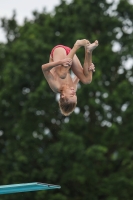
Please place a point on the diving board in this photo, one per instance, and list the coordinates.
(26, 187)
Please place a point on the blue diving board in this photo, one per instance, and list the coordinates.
(26, 187)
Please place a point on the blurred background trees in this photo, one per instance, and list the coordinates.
(89, 153)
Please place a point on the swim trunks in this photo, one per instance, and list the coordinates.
(68, 49)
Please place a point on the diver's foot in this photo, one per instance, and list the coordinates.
(92, 46)
(82, 42)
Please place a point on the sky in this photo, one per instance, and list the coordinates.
(24, 9)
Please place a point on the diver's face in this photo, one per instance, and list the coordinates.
(70, 94)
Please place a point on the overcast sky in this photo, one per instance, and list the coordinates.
(24, 9)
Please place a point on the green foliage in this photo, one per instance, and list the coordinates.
(89, 153)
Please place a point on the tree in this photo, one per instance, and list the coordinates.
(89, 153)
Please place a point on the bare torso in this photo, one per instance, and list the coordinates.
(55, 82)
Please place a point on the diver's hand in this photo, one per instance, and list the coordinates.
(66, 62)
(92, 67)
